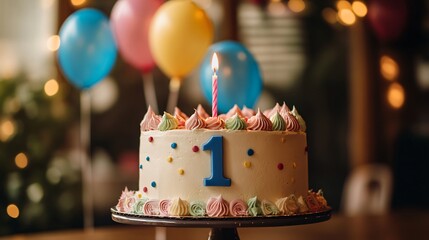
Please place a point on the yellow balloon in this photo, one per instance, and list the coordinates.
(179, 36)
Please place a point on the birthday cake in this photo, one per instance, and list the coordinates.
(240, 164)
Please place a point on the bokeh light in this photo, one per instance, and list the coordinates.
(359, 8)
(346, 16)
(35, 192)
(7, 129)
(12, 211)
(107, 93)
(276, 8)
(342, 4)
(389, 68)
(77, 3)
(53, 175)
(296, 5)
(21, 160)
(396, 95)
(53, 43)
(330, 15)
(51, 87)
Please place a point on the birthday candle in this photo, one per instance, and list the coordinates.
(215, 67)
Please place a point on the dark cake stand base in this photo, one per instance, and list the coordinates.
(221, 228)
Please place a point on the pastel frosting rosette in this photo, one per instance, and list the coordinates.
(126, 201)
(238, 208)
(151, 207)
(215, 123)
(254, 206)
(139, 202)
(164, 206)
(269, 208)
(259, 122)
(178, 207)
(217, 207)
(150, 120)
(197, 208)
(195, 121)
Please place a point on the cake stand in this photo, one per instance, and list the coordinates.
(221, 228)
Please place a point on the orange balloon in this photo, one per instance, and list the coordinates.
(179, 36)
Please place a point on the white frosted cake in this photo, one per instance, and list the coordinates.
(241, 164)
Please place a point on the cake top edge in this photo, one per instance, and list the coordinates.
(278, 118)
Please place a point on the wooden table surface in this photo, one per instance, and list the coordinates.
(394, 226)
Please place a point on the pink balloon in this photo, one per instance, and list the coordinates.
(130, 20)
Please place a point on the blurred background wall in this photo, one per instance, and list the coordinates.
(358, 71)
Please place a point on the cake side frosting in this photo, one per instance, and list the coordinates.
(258, 163)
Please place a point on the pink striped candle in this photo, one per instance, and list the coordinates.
(215, 67)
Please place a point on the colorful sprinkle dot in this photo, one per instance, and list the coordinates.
(250, 152)
(174, 145)
(195, 149)
(181, 171)
(145, 189)
(170, 159)
(141, 166)
(139, 195)
(247, 164)
(153, 184)
(294, 164)
(280, 166)
(150, 139)
(147, 158)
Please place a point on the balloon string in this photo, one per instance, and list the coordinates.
(149, 91)
(173, 97)
(86, 168)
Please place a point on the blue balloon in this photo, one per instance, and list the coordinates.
(87, 51)
(239, 78)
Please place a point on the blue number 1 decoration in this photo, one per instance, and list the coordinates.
(215, 144)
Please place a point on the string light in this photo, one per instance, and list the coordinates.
(396, 95)
(77, 3)
(296, 6)
(53, 43)
(330, 15)
(346, 17)
(12, 211)
(7, 130)
(51, 87)
(389, 68)
(21, 160)
(342, 4)
(359, 8)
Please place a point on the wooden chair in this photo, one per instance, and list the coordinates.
(368, 190)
